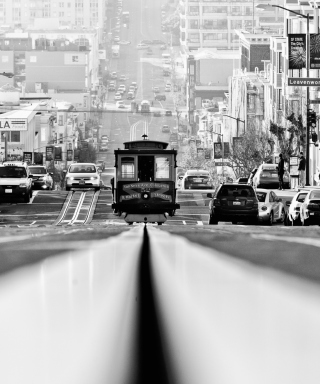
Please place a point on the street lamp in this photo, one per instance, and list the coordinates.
(308, 17)
(237, 118)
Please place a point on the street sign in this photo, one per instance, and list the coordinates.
(303, 81)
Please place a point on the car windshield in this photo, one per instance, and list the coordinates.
(12, 172)
(301, 198)
(234, 191)
(261, 196)
(37, 170)
(82, 168)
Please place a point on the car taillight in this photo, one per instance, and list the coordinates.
(264, 208)
(216, 202)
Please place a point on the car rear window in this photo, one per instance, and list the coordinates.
(82, 168)
(270, 173)
(261, 196)
(237, 190)
(37, 170)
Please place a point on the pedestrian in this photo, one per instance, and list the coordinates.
(281, 171)
(302, 169)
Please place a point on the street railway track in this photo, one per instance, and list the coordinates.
(78, 208)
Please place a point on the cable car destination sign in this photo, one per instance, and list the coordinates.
(13, 124)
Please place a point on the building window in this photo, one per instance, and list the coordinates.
(60, 138)
(15, 136)
(60, 121)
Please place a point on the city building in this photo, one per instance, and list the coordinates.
(67, 13)
(210, 24)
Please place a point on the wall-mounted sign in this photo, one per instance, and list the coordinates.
(218, 150)
(303, 81)
(297, 50)
(13, 124)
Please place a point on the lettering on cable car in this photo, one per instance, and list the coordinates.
(161, 196)
(146, 185)
(130, 197)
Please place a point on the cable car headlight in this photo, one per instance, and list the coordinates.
(145, 195)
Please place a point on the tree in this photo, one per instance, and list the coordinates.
(88, 155)
(191, 159)
(255, 148)
(287, 136)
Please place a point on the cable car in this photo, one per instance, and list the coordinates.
(144, 187)
(145, 106)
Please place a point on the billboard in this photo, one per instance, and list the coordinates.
(27, 157)
(69, 154)
(58, 154)
(218, 152)
(297, 50)
(314, 51)
(49, 153)
(38, 158)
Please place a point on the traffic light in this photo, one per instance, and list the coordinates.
(311, 119)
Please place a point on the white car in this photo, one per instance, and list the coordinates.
(122, 86)
(156, 89)
(271, 208)
(124, 42)
(82, 176)
(116, 38)
(293, 212)
(310, 208)
(118, 96)
(142, 46)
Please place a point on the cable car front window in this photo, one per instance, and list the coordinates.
(127, 168)
(162, 168)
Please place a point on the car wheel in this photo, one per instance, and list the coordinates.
(26, 198)
(306, 222)
(212, 221)
(270, 221)
(296, 222)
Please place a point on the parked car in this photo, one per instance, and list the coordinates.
(124, 42)
(163, 47)
(168, 113)
(134, 84)
(292, 216)
(271, 208)
(157, 114)
(160, 97)
(267, 177)
(116, 39)
(122, 78)
(156, 89)
(235, 203)
(118, 96)
(310, 208)
(41, 178)
(148, 42)
(111, 88)
(130, 96)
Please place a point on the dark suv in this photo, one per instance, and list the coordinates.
(235, 203)
(160, 97)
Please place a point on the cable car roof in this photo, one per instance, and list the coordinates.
(145, 144)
